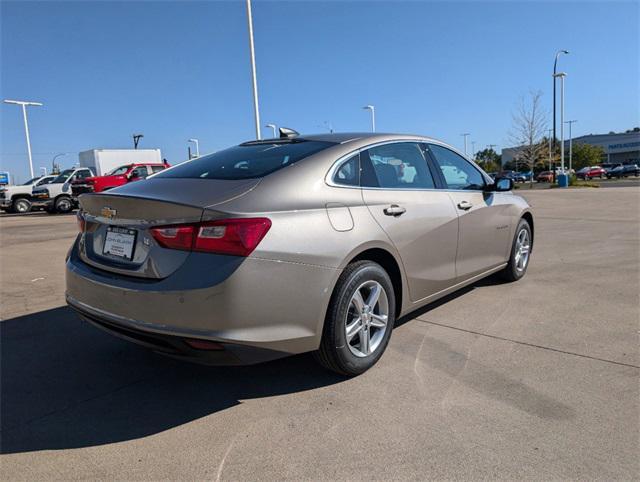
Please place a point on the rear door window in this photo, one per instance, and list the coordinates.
(399, 165)
(247, 161)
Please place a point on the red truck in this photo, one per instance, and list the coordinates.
(119, 176)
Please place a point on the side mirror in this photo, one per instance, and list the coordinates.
(503, 184)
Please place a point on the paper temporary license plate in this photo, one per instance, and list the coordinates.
(119, 242)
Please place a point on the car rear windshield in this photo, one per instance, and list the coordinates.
(246, 161)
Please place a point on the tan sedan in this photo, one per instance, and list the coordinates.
(295, 244)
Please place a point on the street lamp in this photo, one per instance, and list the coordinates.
(555, 65)
(195, 141)
(252, 54)
(562, 75)
(136, 139)
(53, 161)
(570, 143)
(473, 150)
(373, 116)
(465, 135)
(24, 104)
(275, 129)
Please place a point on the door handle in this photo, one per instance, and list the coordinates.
(394, 210)
(465, 205)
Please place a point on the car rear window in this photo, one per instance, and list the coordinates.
(246, 161)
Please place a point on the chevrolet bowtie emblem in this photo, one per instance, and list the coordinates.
(107, 212)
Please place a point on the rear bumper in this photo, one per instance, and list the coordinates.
(275, 307)
(174, 346)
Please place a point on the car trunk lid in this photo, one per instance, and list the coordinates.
(118, 223)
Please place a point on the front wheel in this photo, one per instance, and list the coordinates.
(359, 320)
(63, 205)
(21, 206)
(520, 253)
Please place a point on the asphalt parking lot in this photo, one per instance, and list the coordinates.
(537, 379)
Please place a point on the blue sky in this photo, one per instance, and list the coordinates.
(174, 70)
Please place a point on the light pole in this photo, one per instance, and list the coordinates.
(473, 150)
(252, 53)
(570, 144)
(490, 147)
(24, 104)
(465, 135)
(53, 161)
(562, 75)
(136, 139)
(275, 129)
(195, 141)
(555, 65)
(372, 108)
(549, 132)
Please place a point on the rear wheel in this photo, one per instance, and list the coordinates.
(63, 204)
(21, 206)
(359, 320)
(520, 253)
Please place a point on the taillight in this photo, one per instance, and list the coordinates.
(237, 237)
(81, 221)
(175, 237)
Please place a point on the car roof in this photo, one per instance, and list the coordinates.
(344, 137)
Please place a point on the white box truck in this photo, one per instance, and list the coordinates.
(101, 161)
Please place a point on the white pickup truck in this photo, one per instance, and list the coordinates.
(18, 199)
(56, 197)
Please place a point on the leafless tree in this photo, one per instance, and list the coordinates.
(529, 124)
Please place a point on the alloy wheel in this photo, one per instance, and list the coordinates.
(367, 319)
(523, 248)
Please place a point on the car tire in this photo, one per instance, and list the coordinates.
(354, 353)
(21, 206)
(63, 205)
(517, 266)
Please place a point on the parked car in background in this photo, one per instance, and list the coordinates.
(545, 176)
(117, 177)
(516, 176)
(610, 166)
(18, 199)
(592, 172)
(55, 196)
(625, 170)
(357, 230)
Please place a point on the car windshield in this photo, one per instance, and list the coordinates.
(31, 181)
(246, 161)
(63, 176)
(118, 171)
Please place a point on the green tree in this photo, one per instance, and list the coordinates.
(584, 155)
(488, 159)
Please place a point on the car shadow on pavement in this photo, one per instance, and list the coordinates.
(66, 384)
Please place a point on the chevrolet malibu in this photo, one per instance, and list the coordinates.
(291, 245)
